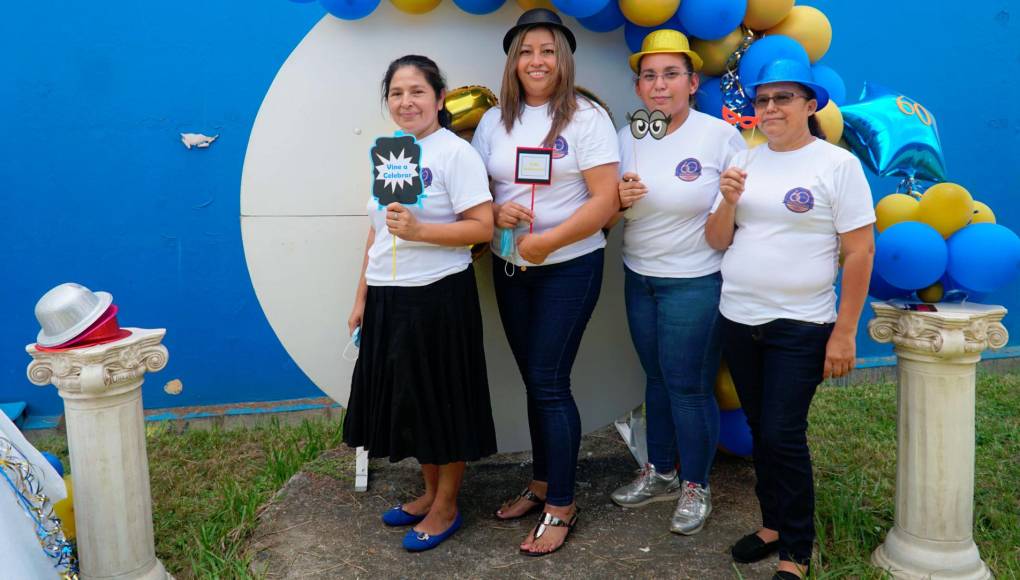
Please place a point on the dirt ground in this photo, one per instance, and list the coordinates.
(319, 527)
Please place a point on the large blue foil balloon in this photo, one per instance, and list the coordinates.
(609, 18)
(734, 433)
(635, 35)
(709, 98)
(883, 290)
(350, 9)
(711, 19)
(478, 6)
(983, 257)
(580, 8)
(766, 50)
(894, 135)
(910, 255)
(832, 82)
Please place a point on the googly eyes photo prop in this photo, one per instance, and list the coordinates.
(644, 123)
(396, 170)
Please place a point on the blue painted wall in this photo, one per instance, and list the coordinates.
(96, 187)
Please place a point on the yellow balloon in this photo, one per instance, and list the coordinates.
(764, 14)
(808, 26)
(932, 293)
(831, 121)
(416, 6)
(648, 12)
(466, 106)
(982, 214)
(946, 207)
(715, 53)
(895, 208)
(64, 509)
(725, 390)
(753, 137)
(531, 4)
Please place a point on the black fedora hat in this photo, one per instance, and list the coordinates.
(536, 17)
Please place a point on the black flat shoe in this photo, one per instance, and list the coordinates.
(751, 548)
(784, 575)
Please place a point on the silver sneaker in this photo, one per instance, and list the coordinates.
(692, 510)
(649, 486)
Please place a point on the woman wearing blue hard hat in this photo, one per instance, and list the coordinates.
(785, 212)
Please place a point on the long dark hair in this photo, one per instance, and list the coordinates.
(433, 76)
(812, 122)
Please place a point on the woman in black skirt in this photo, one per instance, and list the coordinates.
(419, 387)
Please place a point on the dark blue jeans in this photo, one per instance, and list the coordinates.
(776, 368)
(544, 311)
(674, 323)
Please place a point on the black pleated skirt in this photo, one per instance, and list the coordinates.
(419, 387)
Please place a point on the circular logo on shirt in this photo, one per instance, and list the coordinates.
(689, 169)
(560, 148)
(426, 177)
(799, 200)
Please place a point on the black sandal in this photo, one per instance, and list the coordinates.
(526, 494)
(545, 522)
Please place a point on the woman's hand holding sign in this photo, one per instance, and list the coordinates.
(631, 189)
(510, 214)
(731, 184)
(401, 222)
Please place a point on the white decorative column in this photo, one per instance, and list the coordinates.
(937, 355)
(101, 388)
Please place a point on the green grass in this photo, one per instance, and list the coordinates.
(853, 440)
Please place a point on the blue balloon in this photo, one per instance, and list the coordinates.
(54, 461)
(609, 18)
(735, 433)
(711, 19)
(830, 79)
(894, 135)
(479, 6)
(581, 8)
(882, 290)
(983, 257)
(766, 50)
(635, 35)
(349, 9)
(910, 255)
(709, 98)
(302, 1)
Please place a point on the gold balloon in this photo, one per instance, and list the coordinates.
(895, 208)
(648, 12)
(753, 137)
(946, 207)
(982, 214)
(764, 14)
(932, 293)
(416, 6)
(64, 509)
(466, 106)
(593, 97)
(531, 4)
(808, 26)
(715, 53)
(725, 390)
(831, 121)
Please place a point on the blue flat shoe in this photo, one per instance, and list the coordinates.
(396, 516)
(416, 541)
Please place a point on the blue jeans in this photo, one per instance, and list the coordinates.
(776, 368)
(544, 311)
(674, 323)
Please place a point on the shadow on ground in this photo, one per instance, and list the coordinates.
(318, 527)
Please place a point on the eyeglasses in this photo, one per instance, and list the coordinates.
(782, 99)
(671, 75)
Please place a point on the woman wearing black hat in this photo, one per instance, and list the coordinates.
(786, 211)
(550, 274)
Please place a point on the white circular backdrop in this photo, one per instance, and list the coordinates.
(305, 182)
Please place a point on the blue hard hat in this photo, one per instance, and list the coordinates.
(788, 71)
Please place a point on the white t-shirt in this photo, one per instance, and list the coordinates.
(664, 232)
(455, 181)
(589, 140)
(785, 253)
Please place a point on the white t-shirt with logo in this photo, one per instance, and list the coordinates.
(664, 232)
(785, 253)
(454, 179)
(589, 140)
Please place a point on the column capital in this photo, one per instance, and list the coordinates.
(100, 369)
(952, 331)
